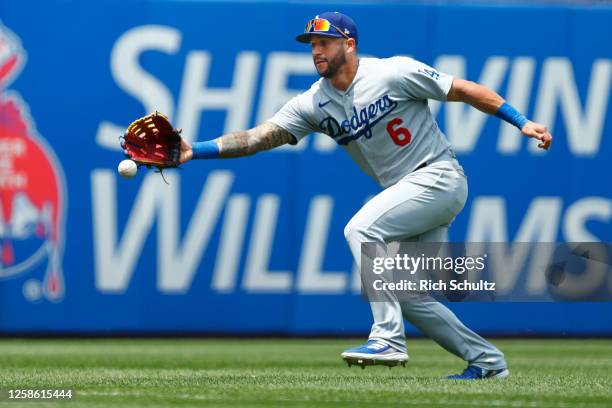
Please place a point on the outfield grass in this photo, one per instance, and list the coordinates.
(299, 373)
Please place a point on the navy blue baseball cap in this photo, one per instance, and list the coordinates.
(329, 24)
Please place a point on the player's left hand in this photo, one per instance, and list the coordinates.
(538, 131)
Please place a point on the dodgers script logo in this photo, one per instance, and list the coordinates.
(360, 123)
(32, 201)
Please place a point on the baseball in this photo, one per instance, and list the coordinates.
(127, 168)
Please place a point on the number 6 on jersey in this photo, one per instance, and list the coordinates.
(400, 135)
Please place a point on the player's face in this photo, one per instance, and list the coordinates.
(328, 55)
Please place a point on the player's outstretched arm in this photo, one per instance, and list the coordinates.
(237, 144)
(488, 101)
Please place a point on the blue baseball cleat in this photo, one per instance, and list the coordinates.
(374, 352)
(473, 372)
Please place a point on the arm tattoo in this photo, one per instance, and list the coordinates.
(245, 143)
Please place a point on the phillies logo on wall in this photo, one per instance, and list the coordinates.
(32, 186)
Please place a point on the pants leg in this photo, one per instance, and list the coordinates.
(440, 324)
(425, 201)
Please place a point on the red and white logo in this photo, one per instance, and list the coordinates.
(32, 189)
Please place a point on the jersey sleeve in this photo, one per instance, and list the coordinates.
(420, 81)
(294, 118)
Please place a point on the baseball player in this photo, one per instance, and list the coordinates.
(376, 109)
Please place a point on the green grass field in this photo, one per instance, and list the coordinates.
(299, 373)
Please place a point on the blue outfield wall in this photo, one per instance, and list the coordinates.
(256, 245)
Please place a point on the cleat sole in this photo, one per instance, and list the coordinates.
(351, 361)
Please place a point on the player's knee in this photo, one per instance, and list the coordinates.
(357, 231)
(350, 231)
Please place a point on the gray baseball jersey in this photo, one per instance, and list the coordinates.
(382, 120)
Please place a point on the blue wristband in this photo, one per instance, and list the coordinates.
(511, 115)
(205, 150)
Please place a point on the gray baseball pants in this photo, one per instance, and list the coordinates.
(420, 207)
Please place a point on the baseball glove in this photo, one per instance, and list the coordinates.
(153, 142)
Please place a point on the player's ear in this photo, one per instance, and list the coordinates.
(351, 45)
